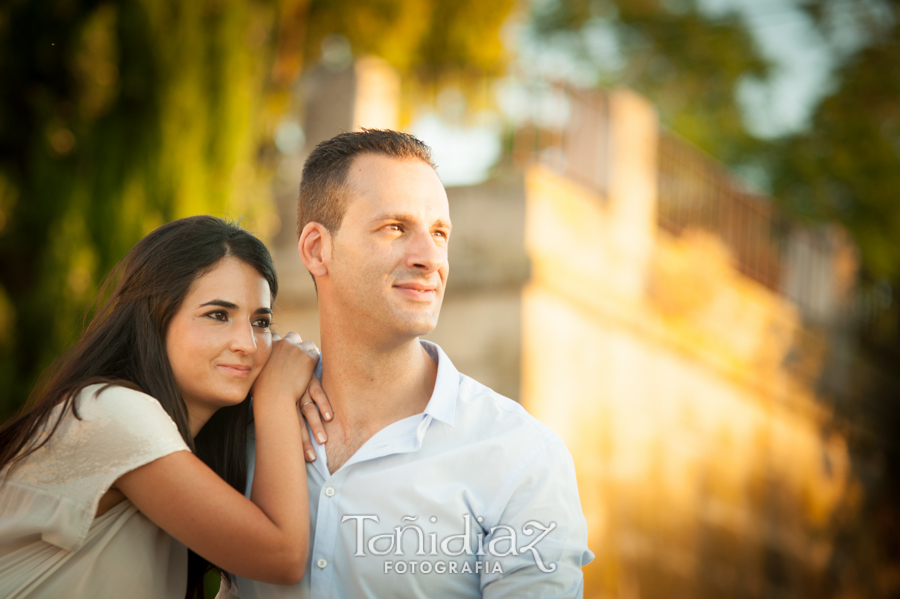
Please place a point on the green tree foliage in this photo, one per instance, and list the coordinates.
(686, 63)
(846, 167)
(429, 36)
(114, 118)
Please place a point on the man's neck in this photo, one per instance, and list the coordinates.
(371, 388)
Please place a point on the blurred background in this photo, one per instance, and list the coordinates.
(676, 234)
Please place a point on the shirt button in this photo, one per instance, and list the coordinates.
(329, 491)
(322, 563)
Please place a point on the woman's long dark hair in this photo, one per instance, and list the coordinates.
(125, 344)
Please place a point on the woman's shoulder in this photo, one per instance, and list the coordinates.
(109, 401)
(112, 393)
(124, 421)
(107, 424)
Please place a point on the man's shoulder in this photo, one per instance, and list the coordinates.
(485, 414)
(479, 413)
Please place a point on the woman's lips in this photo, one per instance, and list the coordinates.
(236, 370)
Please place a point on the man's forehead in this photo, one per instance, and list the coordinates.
(370, 167)
(385, 187)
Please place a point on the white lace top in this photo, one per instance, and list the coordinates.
(50, 543)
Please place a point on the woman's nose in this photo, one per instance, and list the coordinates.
(243, 339)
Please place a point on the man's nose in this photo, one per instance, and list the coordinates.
(426, 254)
(243, 339)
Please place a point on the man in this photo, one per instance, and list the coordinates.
(431, 485)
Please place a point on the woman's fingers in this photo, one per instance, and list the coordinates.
(309, 347)
(308, 450)
(293, 337)
(311, 413)
(317, 393)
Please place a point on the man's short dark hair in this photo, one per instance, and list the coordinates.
(323, 196)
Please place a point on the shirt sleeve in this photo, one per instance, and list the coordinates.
(539, 537)
(119, 430)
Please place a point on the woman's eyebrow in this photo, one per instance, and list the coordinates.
(232, 306)
(222, 303)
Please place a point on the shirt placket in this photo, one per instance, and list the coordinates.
(327, 522)
(329, 514)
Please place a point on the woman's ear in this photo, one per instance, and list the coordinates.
(315, 248)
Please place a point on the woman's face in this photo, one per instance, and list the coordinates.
(219, 339)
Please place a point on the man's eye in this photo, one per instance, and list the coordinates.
(395, 227)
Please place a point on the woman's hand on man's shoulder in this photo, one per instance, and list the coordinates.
(289, 369)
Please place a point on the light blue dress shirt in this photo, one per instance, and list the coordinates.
(472, 498)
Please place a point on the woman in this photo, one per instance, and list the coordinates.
(100, 467)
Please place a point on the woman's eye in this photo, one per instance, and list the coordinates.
(218, 315)
(262, 323)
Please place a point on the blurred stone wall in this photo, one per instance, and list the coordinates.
(702, 461)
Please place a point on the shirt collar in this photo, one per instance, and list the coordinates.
(442, 405)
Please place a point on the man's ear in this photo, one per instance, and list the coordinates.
(315, 248)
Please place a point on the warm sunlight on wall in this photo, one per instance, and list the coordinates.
(700, 456)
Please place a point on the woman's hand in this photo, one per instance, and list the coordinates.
(312, 404)
(291, 367)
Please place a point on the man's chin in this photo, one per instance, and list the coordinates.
(418, 327)
(422, 331)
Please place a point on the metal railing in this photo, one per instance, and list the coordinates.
(694, 191)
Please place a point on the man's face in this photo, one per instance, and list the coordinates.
(389, 257)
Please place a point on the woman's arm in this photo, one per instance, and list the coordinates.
(266, 539)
